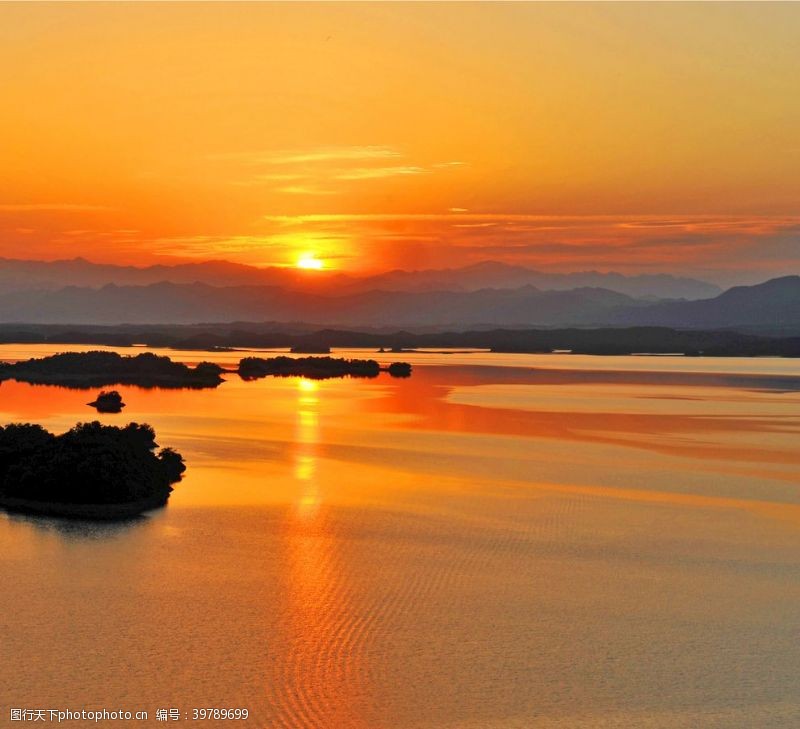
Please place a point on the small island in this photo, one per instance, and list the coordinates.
(399, 369)
(101, 369)
(108, 402)
(92, 471)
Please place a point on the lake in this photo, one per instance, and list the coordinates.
(498, 541)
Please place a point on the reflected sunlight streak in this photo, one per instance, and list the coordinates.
(306, 439)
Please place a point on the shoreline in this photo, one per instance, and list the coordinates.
(254, 337)
(94, 512)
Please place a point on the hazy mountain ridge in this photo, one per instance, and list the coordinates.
(21, 275)
(772, 305)
(493, 274)
(191, 303)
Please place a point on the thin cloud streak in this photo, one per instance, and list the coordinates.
(621, 221)
(313, 155)
(326, 166)
(373, 173)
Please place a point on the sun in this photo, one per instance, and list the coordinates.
(310, 262)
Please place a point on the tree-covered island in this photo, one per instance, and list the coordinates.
(316, 368)
(100, 369)
(92, 471)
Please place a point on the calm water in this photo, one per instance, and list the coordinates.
(499, 541)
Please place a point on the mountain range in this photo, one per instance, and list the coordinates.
(22, 275)
(773, 306)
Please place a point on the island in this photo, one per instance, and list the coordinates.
(100, 369)
(108, 402)
(315, 368)
(92, 471)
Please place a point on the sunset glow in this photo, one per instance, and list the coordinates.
(648, 140)
(400, 364)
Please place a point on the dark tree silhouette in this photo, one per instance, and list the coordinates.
(90, 465)
(173, 463)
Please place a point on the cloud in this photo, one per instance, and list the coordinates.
(373, 173)
(618, 225)
(322, 167)
(320, 154)
(422, 217)
(677, 243)
(346, 218)
(730, 248)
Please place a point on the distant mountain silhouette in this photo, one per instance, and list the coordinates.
(769, 307)
(20, 275)
(493, 274)
(191, 303)
(772, 305)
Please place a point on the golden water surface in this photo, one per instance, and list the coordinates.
(497, 541)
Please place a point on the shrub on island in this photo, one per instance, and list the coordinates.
(91, 471)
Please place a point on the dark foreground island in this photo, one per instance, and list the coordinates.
(99, 369)
(92, 471)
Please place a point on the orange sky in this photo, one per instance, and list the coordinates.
(636, 137)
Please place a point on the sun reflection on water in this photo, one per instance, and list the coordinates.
(307, 437)
(324, 676)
